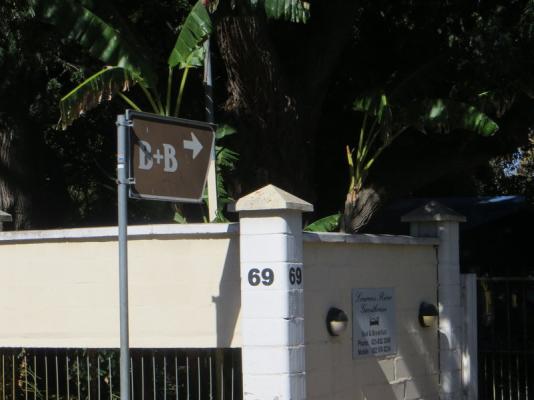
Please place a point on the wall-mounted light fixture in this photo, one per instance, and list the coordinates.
(336, 321)
(427, 314)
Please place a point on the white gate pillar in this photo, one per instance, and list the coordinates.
(470, 337)
(436, 220)
(272, 298)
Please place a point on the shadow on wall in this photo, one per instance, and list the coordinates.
(228, 371)
(228, 302)
(377, 372)
(418, 360)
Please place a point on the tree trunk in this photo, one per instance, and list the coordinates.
(275, 102)
(359, 209)
(15, 174)
(273, 144)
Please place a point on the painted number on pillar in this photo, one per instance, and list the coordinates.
(295, 275)
(264, 276)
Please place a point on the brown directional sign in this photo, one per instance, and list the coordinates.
(169, 157)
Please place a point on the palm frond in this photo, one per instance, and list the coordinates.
(91, 92)
(98, 37)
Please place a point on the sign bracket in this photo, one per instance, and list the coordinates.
(127, 181)
(127, 123)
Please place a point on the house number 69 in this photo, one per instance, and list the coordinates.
(264, 276)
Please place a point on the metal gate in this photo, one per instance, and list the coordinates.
(506, 338)
(91, 374)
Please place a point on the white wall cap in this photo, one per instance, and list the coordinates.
(433, 211)
(5, 217)
(111, 232)
(366, 238)
(271, 197)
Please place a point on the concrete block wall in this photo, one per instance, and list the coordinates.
(334, 265)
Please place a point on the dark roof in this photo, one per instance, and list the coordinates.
(477, 210)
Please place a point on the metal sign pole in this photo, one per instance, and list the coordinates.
(157, 143)
(122, 193)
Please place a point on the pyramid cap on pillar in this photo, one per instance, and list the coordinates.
(271, 197)
(5, 217)
(433, 211)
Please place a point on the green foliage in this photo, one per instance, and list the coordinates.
(297, 11)
(179, 218)
(375, 105)
(427, 115)
(196, 29)
(291, 10)
(391, 120)
(511, 174)
(129, 60)
(226, 160)
(101, 86)
(223, 131)
(98, 37)
(423, 54)
(442, 115)
(111, 41)
(326, 224)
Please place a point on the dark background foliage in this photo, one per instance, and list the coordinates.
(288, 89)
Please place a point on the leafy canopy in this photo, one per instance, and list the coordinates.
(128, 60)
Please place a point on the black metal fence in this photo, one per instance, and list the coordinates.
(83, 374)
(506, 338)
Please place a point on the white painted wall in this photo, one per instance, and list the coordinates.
(336, 264)
(60, 288)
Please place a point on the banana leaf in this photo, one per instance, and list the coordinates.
(376, 105)
(444, 115)
(188, 51)
(436, 115)
(98, 37)
(290, 10)
(91, 92)
(326, 224)
(224, 130)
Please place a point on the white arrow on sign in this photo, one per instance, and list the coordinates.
(193, 145)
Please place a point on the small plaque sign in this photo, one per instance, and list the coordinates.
(374, 328)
